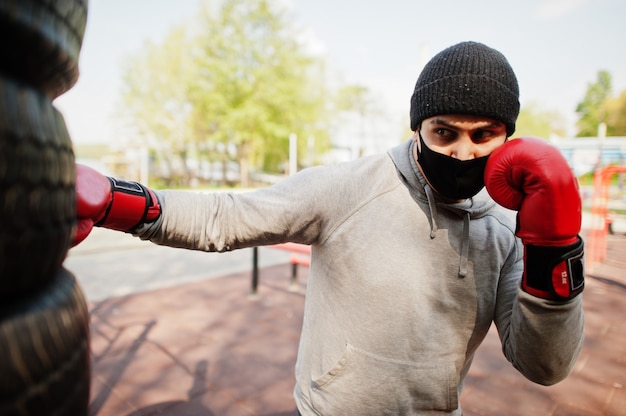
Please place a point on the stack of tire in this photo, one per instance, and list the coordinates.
(44, 320)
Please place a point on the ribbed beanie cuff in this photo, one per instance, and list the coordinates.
(467, 78)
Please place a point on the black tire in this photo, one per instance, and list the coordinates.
(37, 190)
(44, 351)
(40, 42)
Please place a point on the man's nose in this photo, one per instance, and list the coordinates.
(465, 149)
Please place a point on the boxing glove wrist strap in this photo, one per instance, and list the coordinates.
(132, 205)
(554, 272)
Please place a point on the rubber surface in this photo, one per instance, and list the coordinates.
(37, 189)
(44, 350)
(41, 41)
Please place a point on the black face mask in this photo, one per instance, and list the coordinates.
(452, 178)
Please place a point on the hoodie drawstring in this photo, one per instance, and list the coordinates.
(432, 206)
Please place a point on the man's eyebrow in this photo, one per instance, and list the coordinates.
(486, 125)
(441, 122)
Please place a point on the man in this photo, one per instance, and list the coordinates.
(411, 263)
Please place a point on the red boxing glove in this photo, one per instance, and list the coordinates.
(530, 176)
(111, 203)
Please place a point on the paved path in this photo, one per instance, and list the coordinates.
(206, 347)
(109, 263)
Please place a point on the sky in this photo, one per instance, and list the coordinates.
(556, 48)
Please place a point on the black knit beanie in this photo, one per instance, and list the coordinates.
(467, 78)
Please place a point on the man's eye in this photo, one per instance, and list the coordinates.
(482, 135)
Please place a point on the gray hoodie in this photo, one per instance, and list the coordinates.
(402, 287)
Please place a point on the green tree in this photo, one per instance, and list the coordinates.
(534, 121)
(616, 115)
(592, 109)
(233, 85)
(155, 102)
(254, 84)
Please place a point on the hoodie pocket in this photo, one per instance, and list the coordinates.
(364, 383)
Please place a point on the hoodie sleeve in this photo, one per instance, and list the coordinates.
(225, 221)
(303, 208)
(541, 338)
